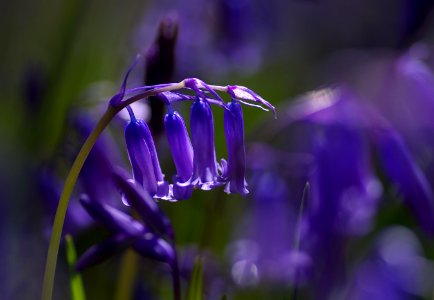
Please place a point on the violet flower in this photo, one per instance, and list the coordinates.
(405, 174)
(143, 157)
(49, 188)
(205, 171)
(395, 270)
(182, 152)
(236, 164)
(126, 232)
(141, 200)
(271, 250)
(205, 165)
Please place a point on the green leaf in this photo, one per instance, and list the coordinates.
(195, 290)
(76, 284)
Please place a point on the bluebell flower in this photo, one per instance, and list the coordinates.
(49, 188)
(206, 173)
(143, 157)
(235, 169)
(205, 165)
(142, 201)
(402, 171)
(394, 270)
(182, 153)
(126, 232)
(268, 251)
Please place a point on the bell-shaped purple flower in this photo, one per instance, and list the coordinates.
(144, 159)
(113, 219)
(182, 152)
(126, 232)
(143, 203)
(103, 251)
(154, 247)
(147, 244)
(236, 165)
(202, 132)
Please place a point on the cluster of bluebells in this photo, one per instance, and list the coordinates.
(195, 159)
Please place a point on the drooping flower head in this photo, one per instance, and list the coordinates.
(202, 131)
(236, 165)
(143, 157)
(126, 232)
(182, 152)
(199, 155)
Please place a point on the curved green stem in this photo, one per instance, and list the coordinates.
(56, 233)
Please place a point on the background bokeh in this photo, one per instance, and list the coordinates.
(60, 58)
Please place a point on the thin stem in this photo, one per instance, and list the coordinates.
(300, 216)
(132, 116)
(298, 236)
(129, 264)
(56, 233)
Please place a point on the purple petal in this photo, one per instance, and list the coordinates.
(115, 220)
(180, 191)
(197, 84)
(103, 251)
(236, 164)
(202, 133)
(151, 146)
(180, 145)
(154, 247)
(140, 156)
(173, 97)
(143, 203)
(243, 93)
(407, 176)
(116, 99)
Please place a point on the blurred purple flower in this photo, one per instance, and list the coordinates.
(141, 200)
(405, 174)
(95, 176)
(396, 269)
(224, 42)
(266, 251)
(49, 188)
(126, 232)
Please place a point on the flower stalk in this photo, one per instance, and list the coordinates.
(116, 104)
(71, 179)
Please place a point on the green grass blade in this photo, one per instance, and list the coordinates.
(76, 284)
(195, 289)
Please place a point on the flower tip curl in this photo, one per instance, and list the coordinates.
(242, 94)
(117, 99)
